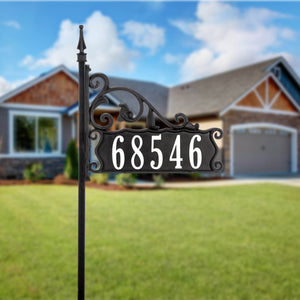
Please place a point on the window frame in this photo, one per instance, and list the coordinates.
(13, 113)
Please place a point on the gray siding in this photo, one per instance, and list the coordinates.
(4, 131)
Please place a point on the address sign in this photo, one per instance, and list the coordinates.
(175, 148)
(151, 151)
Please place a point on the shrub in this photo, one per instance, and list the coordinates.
(158, 180)
(101, 178)
(34, 172)
(127, 179)
(71, 167)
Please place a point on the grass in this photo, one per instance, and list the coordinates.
(238, 242)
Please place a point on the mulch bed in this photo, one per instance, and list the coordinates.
(62, 180)
(23, 182)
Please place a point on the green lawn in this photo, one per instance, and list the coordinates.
(238, 242)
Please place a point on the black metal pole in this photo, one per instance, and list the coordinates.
(82, 164)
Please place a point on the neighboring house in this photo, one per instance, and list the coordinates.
(257, 106)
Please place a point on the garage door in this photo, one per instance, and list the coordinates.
(261, 151)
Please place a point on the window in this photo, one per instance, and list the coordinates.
(35, 134)
(24, 134)
(255, 130)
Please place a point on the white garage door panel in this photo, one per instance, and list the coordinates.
(258, 153)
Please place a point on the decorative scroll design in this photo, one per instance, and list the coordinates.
(215, 134)
(125, 114)
(96, 135)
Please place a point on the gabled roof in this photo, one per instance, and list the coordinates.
(209, 96)
(42, 77)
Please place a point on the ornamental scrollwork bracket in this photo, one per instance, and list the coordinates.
(99, 82)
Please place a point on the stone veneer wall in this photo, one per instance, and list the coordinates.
(242, 117)
(14, 167)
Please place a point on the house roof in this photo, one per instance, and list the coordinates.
(157, 94)
(44, 76)
(209, 96)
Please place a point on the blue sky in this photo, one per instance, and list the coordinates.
(165, 42)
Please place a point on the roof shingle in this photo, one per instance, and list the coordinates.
(209, 96)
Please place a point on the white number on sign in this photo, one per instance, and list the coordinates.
(137, 152)
(198, 152)
(138, 159)
(118, 152)
(158, 151)
(176, 151)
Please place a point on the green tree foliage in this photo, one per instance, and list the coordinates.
(71, 167)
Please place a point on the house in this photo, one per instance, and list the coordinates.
(257, 106)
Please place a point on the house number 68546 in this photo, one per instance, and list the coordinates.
(137, 158)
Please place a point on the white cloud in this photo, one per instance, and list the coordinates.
(230, 38)
(6, 86)
(105, 52)
(28, 60)
(145, 35)
(173, 59)
(12, 24)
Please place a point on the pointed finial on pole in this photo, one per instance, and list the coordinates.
(81, 56)
(81, 44)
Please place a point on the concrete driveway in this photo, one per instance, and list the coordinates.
(291, 181)
(236, 181)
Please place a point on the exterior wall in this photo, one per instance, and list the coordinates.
(14, 167)
(3, 130)
(240, 117)
(57, 90)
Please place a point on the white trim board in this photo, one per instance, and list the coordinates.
(22, 88)
(33, 107)
(294, 141)
(265, 111)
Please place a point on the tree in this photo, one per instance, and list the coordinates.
(71, 167)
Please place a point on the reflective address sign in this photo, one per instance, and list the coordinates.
(146, 151)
